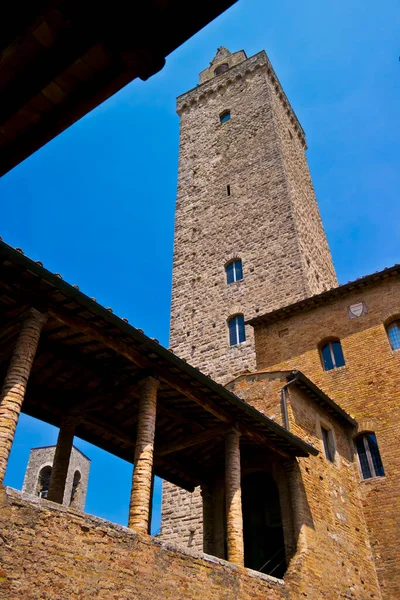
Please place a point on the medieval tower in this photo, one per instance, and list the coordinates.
(248, 233)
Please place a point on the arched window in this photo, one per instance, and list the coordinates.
(237, 333)
(75, 486)
(332, 355)
(393, 332)
(225, 116)
(369, 458)
(234, 271)
(44, 482)
(221, 69)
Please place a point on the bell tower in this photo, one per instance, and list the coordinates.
(248, 233)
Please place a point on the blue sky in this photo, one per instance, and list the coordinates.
(97, 203)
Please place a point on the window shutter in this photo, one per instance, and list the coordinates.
(239, 271)
(232, 332)
(229, 273)
(375, 455)
(338, 354)
(362, 456)
(242, 332)
(326, 357)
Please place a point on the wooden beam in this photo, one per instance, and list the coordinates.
(193, 440)
(163, 374)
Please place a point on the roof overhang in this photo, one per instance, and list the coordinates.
(59, 60)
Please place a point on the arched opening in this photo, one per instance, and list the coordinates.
(75, 487)
(44, 482)
(221, 69)
(264, 546)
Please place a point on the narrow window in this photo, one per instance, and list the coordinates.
(393, 332)
(225, 116)
(44, 482)
(329, 446)
(234, 271)
(221, 69)
(228, 189)
(369, 458)
(75, 487)
(237, 333)
(332, 355)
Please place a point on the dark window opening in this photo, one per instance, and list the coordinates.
(332, 356)
(44, 482)
(221, 69)
(393, 331)
(329, 445)
(369, 457)
(290, 134)
(237, 333)
(75, 486)
(225, 116)
(264, 546)
(234, 271)
(228, 189)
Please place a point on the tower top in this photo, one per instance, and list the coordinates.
(222, 62)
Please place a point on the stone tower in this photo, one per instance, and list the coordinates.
(248, 233)
(38, 471)
(244, 192)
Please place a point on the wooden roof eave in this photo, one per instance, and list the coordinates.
(126, 340)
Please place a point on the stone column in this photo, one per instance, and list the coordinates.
(62, 455)
(16, 380)
(139, 510)
(234, 518)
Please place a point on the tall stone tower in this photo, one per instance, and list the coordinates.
(245, 195)
(248, 233)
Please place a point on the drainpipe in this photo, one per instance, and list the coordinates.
(284, 399)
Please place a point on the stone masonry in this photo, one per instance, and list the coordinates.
(41, 458)
(268, 217)
(367, 386)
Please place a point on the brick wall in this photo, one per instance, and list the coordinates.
(367, 387)
(48, 552)
(333, 557)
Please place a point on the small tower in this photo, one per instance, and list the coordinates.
(38, 472)
(248, 233)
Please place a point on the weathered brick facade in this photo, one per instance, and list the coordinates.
(270, 220)
(367, 387)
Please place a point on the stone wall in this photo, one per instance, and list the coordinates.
(43, 457)
(270, 220)
(48, 552)
(333, 556)
(367, 387)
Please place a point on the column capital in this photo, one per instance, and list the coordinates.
(40, 317)
(149, 381)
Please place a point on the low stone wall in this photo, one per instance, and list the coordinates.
(49, 552)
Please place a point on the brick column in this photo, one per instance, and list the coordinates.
(234, 518)
(139, 510)
(16, 380)
(61, 459)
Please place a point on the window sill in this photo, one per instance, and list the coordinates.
(373, 479)
(336, 369)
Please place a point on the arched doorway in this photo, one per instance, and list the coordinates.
(264, 546)
(75, 487)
